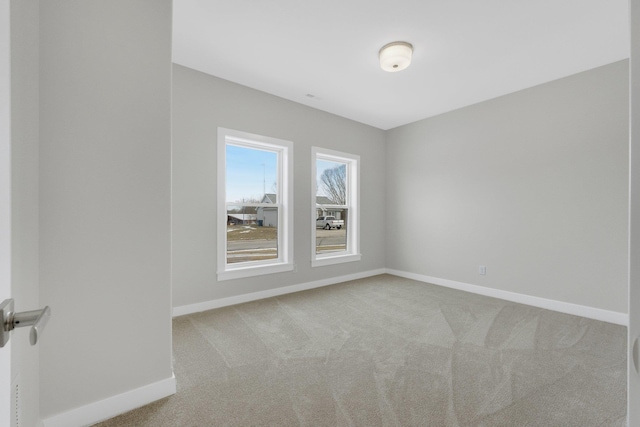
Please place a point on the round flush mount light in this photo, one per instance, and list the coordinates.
(395, 56)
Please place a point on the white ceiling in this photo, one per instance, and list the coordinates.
(465, 51)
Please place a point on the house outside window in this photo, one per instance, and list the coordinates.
(336, 211)
(255, 233)
(267, 216)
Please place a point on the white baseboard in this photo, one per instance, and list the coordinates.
(239, 299)
(563, 307)
(112, 406)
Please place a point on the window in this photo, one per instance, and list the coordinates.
(335, 209)
(255, 199)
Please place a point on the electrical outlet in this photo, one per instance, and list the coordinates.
(482, 270)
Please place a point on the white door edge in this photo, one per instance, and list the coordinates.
(5, 202)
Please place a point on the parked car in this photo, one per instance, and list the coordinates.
(329, 222)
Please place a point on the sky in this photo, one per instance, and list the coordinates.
(252, 172)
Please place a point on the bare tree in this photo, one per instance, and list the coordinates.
(334, 184)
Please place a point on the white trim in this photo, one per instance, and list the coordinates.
(284, 149)
(239, 299)
(338, 258)
(5, 203)
(548, 304)
(115, 405)
(562, 307)
(352, 162)
(256, 269)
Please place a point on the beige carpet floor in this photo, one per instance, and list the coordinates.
(387, 351)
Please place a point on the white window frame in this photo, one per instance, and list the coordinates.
(352, 253)
(284, 148)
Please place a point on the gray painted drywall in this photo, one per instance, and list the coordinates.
(201, 103)
(105, 79)
(24, 198)
(534, 185)
(633, 409)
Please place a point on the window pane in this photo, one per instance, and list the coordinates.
(331, 231)
(331, 182)
(252, 175)
(251, 236)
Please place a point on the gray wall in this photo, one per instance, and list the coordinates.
(24, 203)
(105, 79)
(534, 185)
(201, 103)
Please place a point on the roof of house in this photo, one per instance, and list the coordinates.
(322, 200)
(269, 198)
(244, 217)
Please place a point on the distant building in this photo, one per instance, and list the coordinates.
(268, 216)
(326, 207)
(235, 219)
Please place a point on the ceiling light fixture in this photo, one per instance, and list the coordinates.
(395, 56)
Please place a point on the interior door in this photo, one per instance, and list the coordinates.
(633, 403)
(5, 204)
(19, 382)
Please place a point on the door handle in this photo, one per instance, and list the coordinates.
(9, 320)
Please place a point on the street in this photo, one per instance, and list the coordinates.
(263, 249)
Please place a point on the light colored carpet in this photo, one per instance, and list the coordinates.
(387, 351)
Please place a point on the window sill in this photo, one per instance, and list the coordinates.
(258, 270)
(335, 259)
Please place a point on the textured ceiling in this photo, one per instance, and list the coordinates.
(464, 51)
